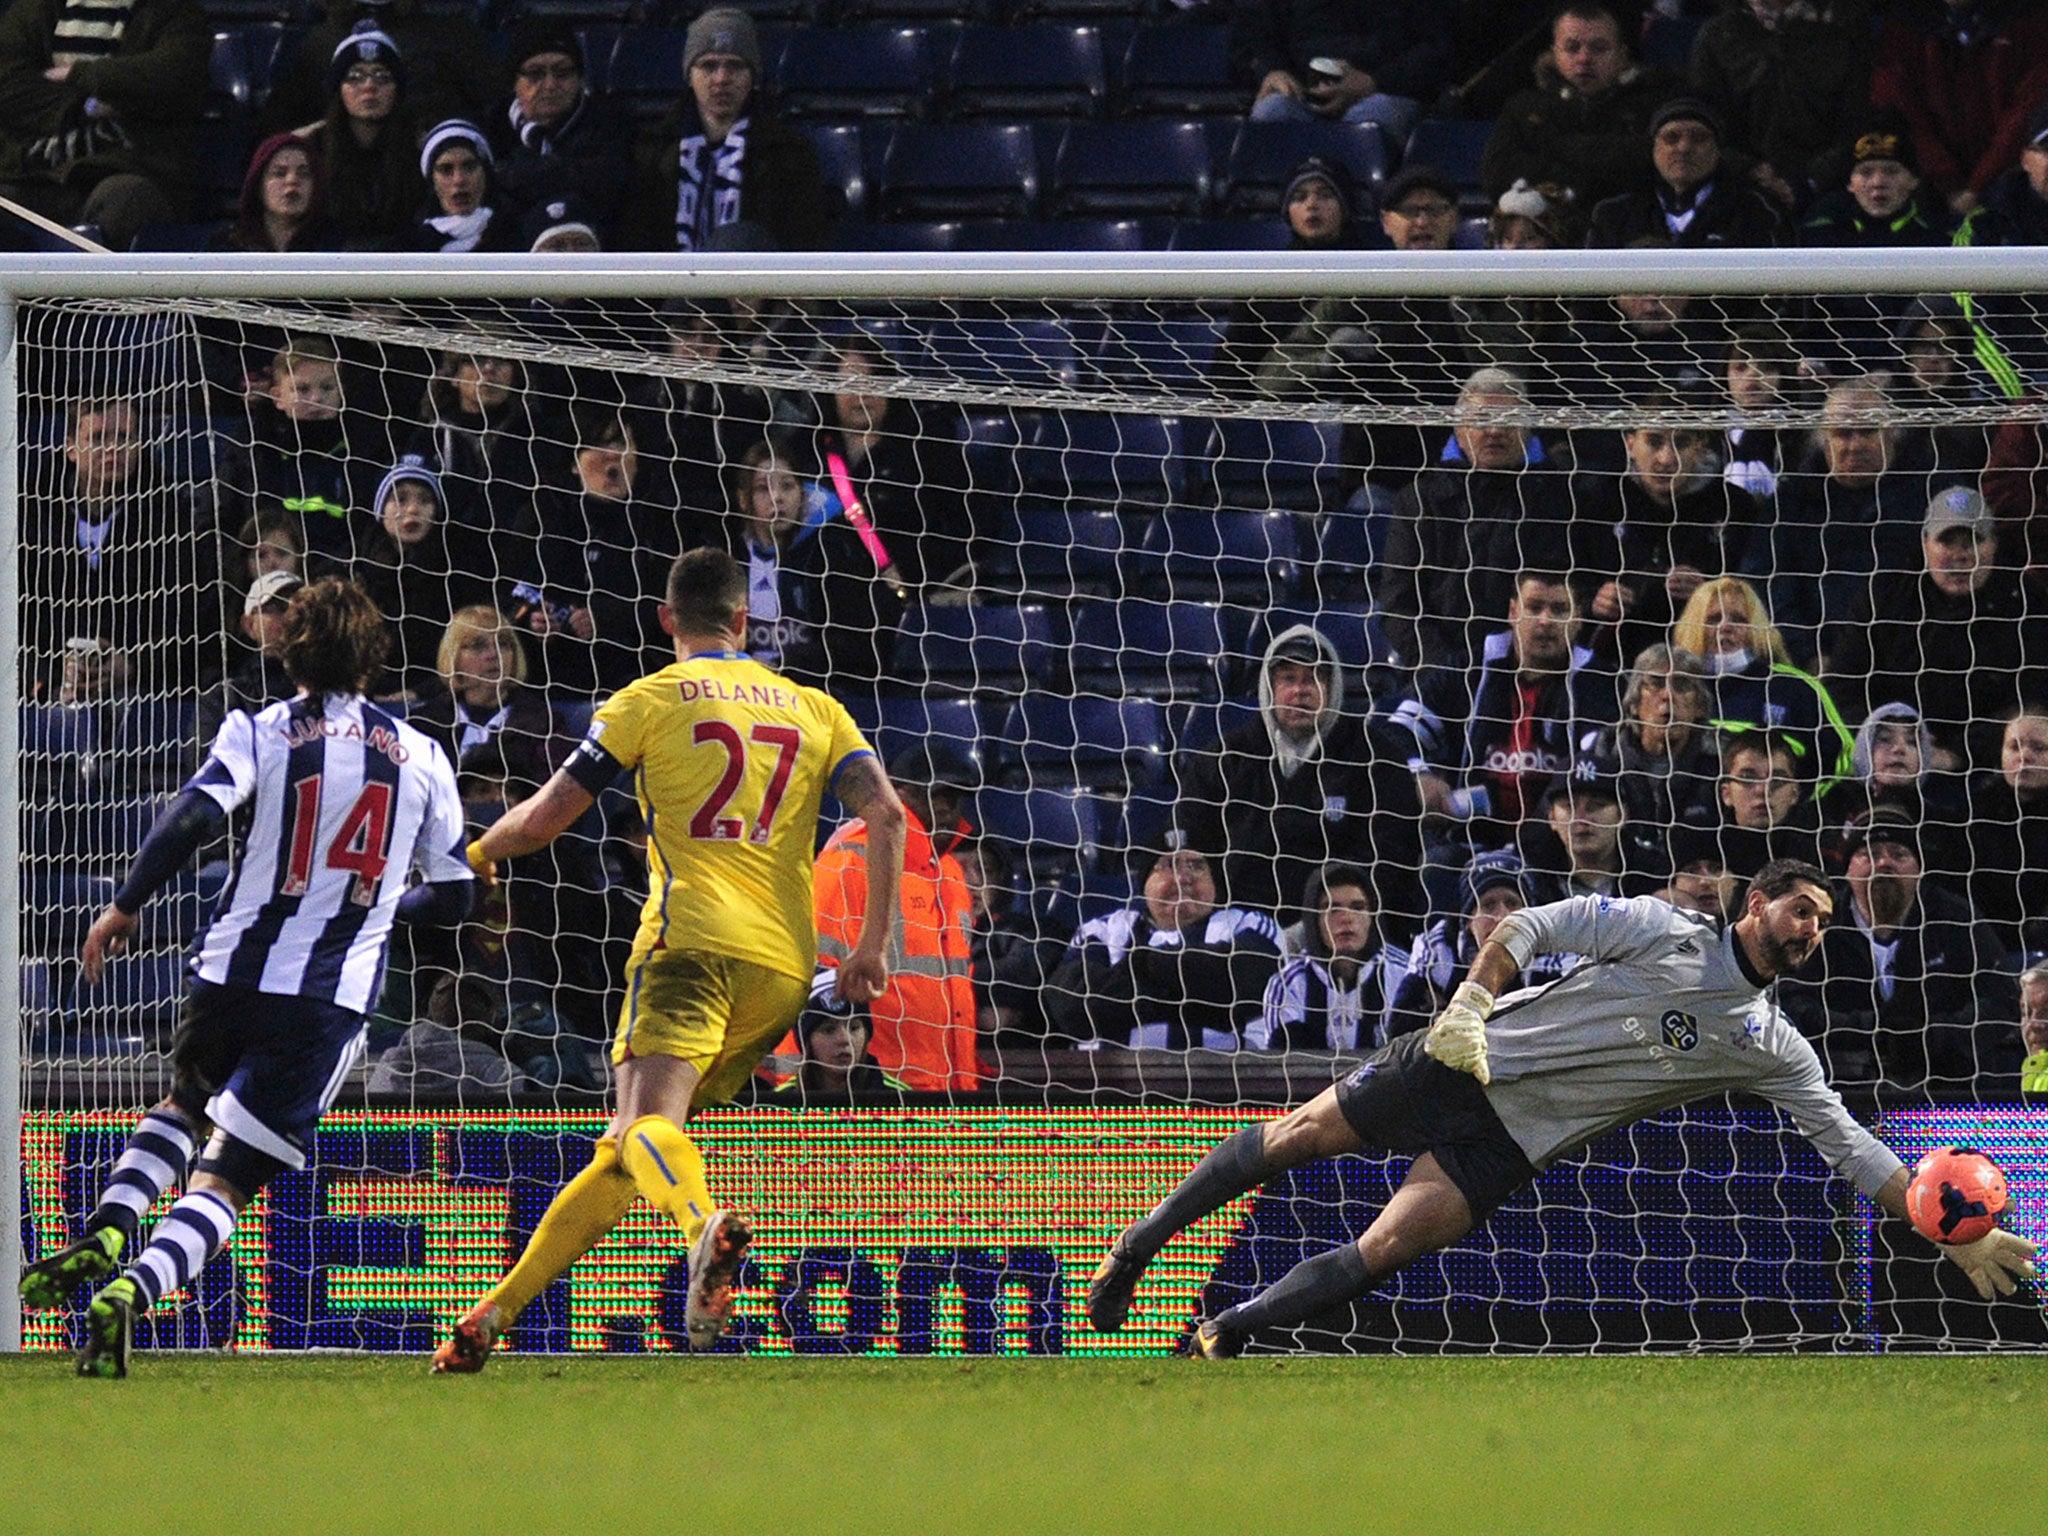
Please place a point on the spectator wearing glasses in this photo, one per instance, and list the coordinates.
(557, 142)
(450, 67)
(720, 160)
(365, 144)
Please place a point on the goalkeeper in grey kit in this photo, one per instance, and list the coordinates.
(1669, 1006)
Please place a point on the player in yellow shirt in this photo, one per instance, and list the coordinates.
(730, 762)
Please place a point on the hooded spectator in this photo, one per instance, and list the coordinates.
(1305, 783)
(282, 208)
(1337, 993)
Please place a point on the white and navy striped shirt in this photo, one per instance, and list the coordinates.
(1306, 1008)
(341, 806)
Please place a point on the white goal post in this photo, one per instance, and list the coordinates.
(419, 303)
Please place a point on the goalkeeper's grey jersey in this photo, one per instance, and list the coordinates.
(1663, 1009)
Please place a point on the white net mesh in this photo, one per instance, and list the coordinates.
(1105, 540)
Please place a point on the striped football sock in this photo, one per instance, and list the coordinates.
(155, 1159)
(193, 1231)
(669, 1171)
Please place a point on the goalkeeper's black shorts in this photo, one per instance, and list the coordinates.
(1404, 1100)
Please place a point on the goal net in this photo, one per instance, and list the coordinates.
(1275, 626)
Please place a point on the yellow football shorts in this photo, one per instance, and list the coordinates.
(720, 1014)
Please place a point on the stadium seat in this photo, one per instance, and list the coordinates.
(1249, 557)
(1094, 743)
(1172, 71)
(1027, 71)
(196, 235)
(1257, 465)
(229, 13)
(915, 235)
(639, 67)
(1454, 146)
(1131, 169)
(978, 648)
(989, 439)
(1265, 154)
(154, 744)
(1033, 354)
(851, 13)
(1140, 352)
(1060, 235)
(1112, 459)
(1350, 631)
(1059, 831)
(793, 13)
(856, 72)
(910, 722)
(1268, 234)
(221, 149)
(1163, 651)
(1064, 551)
(960, 170)
(243, 63)
(841, 164)
(1105, 12)
(576, 13)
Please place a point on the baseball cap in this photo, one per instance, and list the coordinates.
(1417, 178)
(270, 587)
(1957, 507)
(1885, 139)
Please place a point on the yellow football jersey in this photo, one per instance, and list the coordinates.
(730, 762)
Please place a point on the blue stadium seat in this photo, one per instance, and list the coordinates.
(1061, 235)
(639, 67)
(1095, 743)
(1035, 354)
(1027, 71)
(794, 13)
(1269, 234)
(1264, 155)
(1106, 12)
(1350, 630)
(960, 170)
(989, 438)
(1260, 464)
(1058, 831)
(1131, 169)
(848, 13)
(978, 648)
(919, 235)
(1164, 651)
(1181, 70)
(856, 72)
(155, 746)
(1454, 146)
(1136, 352)
(1062, 551)
(842, 165)
(229, 13)
(1251, 557)
(1117, 460)
(910, 722)
(576, 13)
(196, 235)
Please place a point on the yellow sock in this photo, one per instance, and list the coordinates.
(589, 1206)
(669, 1170)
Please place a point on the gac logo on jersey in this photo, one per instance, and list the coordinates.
(1681, 1030)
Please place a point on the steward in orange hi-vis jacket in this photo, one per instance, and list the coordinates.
(924, 1020)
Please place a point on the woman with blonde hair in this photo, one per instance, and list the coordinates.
(484, 669)
(1754, 685)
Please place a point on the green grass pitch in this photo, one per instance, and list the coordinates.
(1798, 1445)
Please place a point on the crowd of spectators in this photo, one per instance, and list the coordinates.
(1625, 660)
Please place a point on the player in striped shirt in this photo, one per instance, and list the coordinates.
(335, 804)
(730, 762)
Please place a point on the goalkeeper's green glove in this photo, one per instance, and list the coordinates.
(1458, 1037)
(1995, 1262)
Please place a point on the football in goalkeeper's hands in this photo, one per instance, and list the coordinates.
(1956, 1196)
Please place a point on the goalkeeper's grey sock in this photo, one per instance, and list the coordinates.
(1237, 1164)
(1313, 1286)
